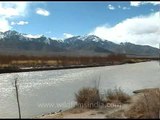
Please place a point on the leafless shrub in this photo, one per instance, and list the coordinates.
(148, 106)
(117, 95)
(88, 98)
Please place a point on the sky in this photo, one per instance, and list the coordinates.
(129, 21)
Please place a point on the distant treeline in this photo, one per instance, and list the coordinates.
(60, 60)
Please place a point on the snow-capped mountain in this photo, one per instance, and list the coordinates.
(14, 35)
(89, 38)
(15, 42)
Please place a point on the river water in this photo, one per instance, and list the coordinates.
(44, 92)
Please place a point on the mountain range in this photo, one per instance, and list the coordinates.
(15, 43)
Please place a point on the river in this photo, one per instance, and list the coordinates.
(43, 92)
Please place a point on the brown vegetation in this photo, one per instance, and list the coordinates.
(148, 106)
(91, 98)
(41, 61)
(35, 61)
(117, 95)
(88, 98)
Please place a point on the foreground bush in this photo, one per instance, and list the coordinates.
(117, 96)
(88, 98)
(148, 106)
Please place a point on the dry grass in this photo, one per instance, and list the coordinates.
(23, 60)
(88, 98)
(91, 98)
(148, 106)
(117, 96)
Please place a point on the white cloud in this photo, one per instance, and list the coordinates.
(4, 25)
(144, 30)
(13, 23)
(19, 23)
(32, 36)
(151, 2)
(119, 6)
(43, 12)
(135, 3)
(67, 35)
(125, 8)
(9, 10)
(110, 7)
(54, 38)
(64, 36)
(22, 23)
(138, 3)
(154, 3)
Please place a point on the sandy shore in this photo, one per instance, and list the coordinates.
(102, 112)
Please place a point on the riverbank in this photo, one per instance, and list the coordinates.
(43, 68)
(131, 109)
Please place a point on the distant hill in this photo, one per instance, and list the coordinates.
(15, 43)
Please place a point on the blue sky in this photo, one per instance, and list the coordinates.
(66, 19)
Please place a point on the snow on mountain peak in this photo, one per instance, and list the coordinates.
(32, 36)
(10, 33)
(90, 38)
(47, 41)
(1, 35)
(44, 39)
